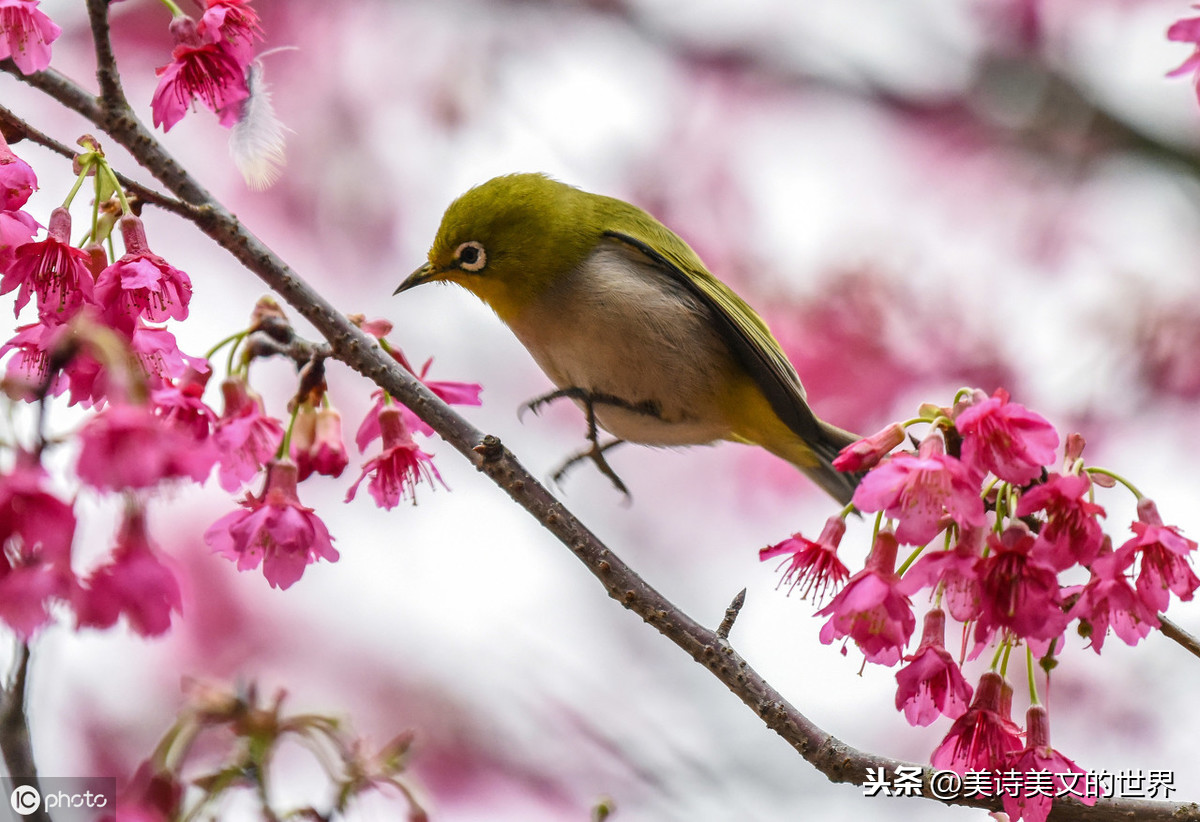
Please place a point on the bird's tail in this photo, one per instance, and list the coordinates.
(838, 484)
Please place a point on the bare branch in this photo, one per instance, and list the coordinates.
(1172, 631)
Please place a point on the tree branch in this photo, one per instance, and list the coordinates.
(832, 757)
(14, 732)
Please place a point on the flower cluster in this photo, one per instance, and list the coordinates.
(98, 339)
(996, 521)
(209, 63)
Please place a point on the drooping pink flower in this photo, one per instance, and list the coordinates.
(141, 283)
(1006, 439)
(1165, 557)
(983, 737)
(159, 354)
(448, 391)
(273, 529)
(322, 450)
(17, 180)
(135, 582)
(956, 570)
(931, 685)
(922, 491)
(26, 34)
(1072, 532)
(870, 610)
(396, 472)
(234, 23)
(1038, 757)
(206, 71)
(813, 567)
(245, 436)
(1018, 592)
(38, 347)
(181, 404)
(36, 531)
(16, 229)
(127, 446)
(868, 451)
(1109, 599)
(53, 269)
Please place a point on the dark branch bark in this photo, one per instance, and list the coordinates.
(832, 757)
(14, 732)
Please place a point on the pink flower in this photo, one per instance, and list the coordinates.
(868, 451)
(17, 180)
(141, 283)
(814, 566)
(1018, 592)
(181, 404)
(16, 229)
(1006, 439)
(127, 446)
(210, 72)
(273, 529)
(234, 23)
(1072, 532)
(956, 570)
(870, 610)
(53, 269)
(396, 472)
(36, 530)
(1038, 757)
(449, 391)
(159, 354)
(26, 35)
(982, 738)
(1164, 552)
(245, 436)
(1109, 599)
(931, 684)
(1186, 30)
(135, 582)
(317, 444)
(921, 490)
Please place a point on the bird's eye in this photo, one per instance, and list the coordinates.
(470, 256)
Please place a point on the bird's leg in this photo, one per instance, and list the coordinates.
(589, 400)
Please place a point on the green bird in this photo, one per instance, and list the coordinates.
(624, 318)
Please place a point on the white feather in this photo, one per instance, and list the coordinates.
(256, 141)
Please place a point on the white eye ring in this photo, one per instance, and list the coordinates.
(471, 256)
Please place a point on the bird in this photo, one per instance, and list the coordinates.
(625, 319)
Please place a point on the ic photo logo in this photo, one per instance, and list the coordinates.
(25, 799)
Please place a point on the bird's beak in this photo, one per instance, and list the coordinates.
(422, 275)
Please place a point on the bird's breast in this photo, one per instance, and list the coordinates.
(619, 326)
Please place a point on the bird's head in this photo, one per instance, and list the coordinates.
(509, 239)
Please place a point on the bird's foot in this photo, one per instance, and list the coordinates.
(589, 400)
(596, 455)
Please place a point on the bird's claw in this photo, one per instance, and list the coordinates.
(596, 455)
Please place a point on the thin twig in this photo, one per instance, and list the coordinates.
(1172, 631)
(832, 757)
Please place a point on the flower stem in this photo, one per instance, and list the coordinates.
(1132, 488)
(1033, 694)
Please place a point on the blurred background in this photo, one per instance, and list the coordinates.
(916, 196)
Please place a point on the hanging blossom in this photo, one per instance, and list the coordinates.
(273, 530)
(142, 284)
(211, 63)
(813, 567)
(931, 684)
(26, 34)
(395, 472)
(136, 583)
(53, 269)
(1037, 757)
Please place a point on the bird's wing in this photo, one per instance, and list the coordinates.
(741, 328)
